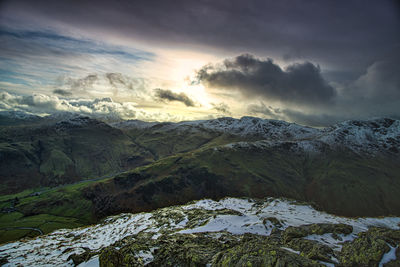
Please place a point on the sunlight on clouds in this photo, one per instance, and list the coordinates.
(199, 93)
(106, 108)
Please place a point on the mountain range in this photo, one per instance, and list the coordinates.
(68, 170)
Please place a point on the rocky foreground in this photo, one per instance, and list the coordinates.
(229, 232)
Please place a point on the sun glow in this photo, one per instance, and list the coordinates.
(198, 93)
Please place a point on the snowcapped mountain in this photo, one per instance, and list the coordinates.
(77, 122)
(296, 232)
(370, 136)
(18, 115)
(361, 136)
(246, 126)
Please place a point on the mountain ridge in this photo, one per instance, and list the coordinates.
(68, 166)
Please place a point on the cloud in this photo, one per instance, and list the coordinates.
(82, 83)
(62, 92)
(300, 94)
(120, 81)
(117, 78)
(168, 95)
(113, 84)
(316, 119)
(376, 92)
(104, 108)
(262, 109)
(222, 108)
(306, 29)
(381, 81)
(34, 59)
(300, 83)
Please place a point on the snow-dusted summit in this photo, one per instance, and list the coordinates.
(370, 136)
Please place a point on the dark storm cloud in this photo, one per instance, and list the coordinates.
(168, 95)
(62, 92)
(253, 77)
(380, 82)
(376, 93)
(342, 34)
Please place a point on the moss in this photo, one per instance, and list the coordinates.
(259, 251)
(110, 257)
(225, 249)
(187, 250)
(318, 229)
(79, 258)
(311, 249)
(367, 249)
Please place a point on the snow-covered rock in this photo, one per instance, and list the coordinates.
(232, 215)
(368, 136)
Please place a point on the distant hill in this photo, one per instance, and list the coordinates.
(47, 153)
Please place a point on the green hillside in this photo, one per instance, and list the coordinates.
(340, 182)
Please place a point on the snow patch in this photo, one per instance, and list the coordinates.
(54, 249)
(93, 262)
(389, 256)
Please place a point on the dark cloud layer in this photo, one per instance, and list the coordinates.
(299, 83)
(168, 95)
(356, 43)
(376, 93)
(343, 34)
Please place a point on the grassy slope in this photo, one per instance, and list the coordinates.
(69, 206)
(339, 182)
(166, 143)
(42, 156)
(53, 209)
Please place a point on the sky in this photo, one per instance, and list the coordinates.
(313, 62)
